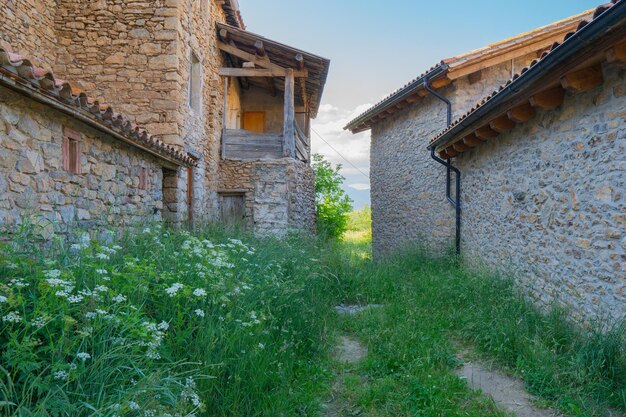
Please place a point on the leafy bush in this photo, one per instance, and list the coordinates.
(360, 220)
(332, 203)
(160, 323)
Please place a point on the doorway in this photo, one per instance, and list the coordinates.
(232, 208)
(254, 121)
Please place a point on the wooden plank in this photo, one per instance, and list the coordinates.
(460, 147)
(584, 79)
(289, 134)
(225, 111)
(472, 140)
(258, 72)
(548, 99)
(261, 62)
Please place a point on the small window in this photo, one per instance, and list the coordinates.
(72, 149)
(143, 178)
(195, 84)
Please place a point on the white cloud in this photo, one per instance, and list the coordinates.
(361, 186)
(355, 148)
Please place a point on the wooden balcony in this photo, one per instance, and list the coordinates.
(239, 144)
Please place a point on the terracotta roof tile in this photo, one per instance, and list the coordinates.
(598, 12)
(43, 81)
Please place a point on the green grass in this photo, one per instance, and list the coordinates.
(256, 340)
(434, 309)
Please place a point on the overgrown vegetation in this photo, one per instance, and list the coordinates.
(331, 202)
(162, 322)
(360, 225)
(434, 309)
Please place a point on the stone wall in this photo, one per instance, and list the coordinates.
(28, 29)
(547, 202)
(408, 188)
(137, 57)
(279, 194)
(32, 178)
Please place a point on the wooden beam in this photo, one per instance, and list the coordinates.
(223, 34)
(289, 127)
(617, 54)
(584, 79)
(225, 116)
(300, 62)
(256, 72)
(412, 99)
(485, 132)
(460, 146)
(548, 99)
(472, 140)
(441, 82)
(521, 113)
(261, 62)
(502, 124)
(303, 93)
(443, 154)
(260, 48)
(451, 152)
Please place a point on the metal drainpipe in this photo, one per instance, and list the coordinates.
(456, 202)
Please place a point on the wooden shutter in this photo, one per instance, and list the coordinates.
(72, 150)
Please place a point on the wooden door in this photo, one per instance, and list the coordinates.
(232, 209)
(254, 121)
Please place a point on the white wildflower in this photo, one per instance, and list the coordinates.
(62, 375)
(11, 265)
(73, 299)
(133, 405)
(3, 299)
(102, 271)
(83, 356)
(101, 288)
(90, 315)
(18, 283)
(12, 317)
(119, 299)
(146, 230)
(199, 292)
(53, 273)
(163, 325)
(261, 346)
(102, 256)
(199, 313)
(171, 291)
(39, 322)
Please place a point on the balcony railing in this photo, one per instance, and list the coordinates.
(239, 144)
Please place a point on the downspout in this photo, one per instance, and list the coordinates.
(456, 202)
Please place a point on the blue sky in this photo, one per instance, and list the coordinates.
(377, 46)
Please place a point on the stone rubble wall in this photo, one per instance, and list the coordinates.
(279, 194)
(409, 204)
(546, 202)
(33, 181)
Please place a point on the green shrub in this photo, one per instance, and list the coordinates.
(331, 202)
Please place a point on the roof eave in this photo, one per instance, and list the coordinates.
(565, 50)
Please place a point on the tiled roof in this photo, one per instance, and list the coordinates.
(42, 81)
(600, 10)
(470, 58)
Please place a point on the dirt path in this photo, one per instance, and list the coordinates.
(349, 352)
(507, 392)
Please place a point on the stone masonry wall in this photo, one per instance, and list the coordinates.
(408, 187)
(28, 29)
(136, 55)
(547, 202)
(279, 194)
(32, 178)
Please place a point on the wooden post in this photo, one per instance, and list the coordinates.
(289, 134)
(225, 117)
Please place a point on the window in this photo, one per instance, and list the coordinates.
(143, 178)
(72, 148)
(195, 84)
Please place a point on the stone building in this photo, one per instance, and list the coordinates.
(166, 70)
(534, 172)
